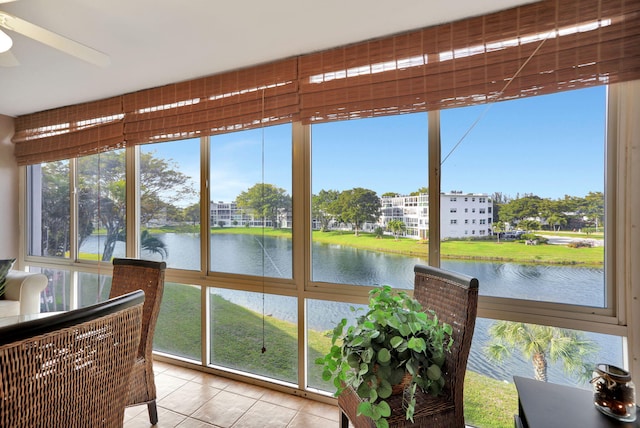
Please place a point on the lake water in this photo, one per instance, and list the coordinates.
(244, 254)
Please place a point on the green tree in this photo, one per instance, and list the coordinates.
(55, 208)
(499, 199)
(153, 244)
(520, 209)
(102, 191)
(422, 190)
(569, 204)
(323, 207)
(529, 225)
(192, 213)
(593, 207)
(173, 213)
(557, 221)
(396, 227)
(358, 206)
(265, 201)
(162, 185)
(542, 344)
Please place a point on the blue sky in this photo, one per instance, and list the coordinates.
(548, 145)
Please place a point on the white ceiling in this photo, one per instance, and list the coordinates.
(156, 42)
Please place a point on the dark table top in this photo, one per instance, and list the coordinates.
(548, 405)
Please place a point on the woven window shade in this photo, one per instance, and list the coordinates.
(265, 94)
(69, 132)
(549, 46)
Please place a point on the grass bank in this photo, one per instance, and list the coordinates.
(237, 342)
(486, 250)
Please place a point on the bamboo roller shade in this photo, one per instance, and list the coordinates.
(535, 49)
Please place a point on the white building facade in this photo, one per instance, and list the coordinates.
(227, 214)
(412, 210)
(468, 215)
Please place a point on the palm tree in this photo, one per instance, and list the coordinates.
(542, 344)
(396, 227)
(498, 227)
(152, 244)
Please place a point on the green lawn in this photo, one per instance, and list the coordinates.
(521, 253)
(486, 250)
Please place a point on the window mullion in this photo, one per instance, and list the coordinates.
(133, 207)
(435, 174)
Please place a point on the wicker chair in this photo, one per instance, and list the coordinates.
(70, 369)
(134, 274)
(454, 298)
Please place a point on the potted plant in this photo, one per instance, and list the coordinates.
(394, 347)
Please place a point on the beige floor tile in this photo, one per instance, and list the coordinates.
(248, 390)
(188, 398)
(182, 372)
(195, 423)
(166, 384)
(265, 415)
(284, 400)
(224, 409)
(166, 419)
(307, 420)
(133, 411)
(159, 366)
(323, 410)
(212, 380)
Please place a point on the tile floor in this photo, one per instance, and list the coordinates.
(192, 399)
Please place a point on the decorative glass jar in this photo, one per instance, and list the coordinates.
(614, 393)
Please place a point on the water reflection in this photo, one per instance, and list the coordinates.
(242, 254)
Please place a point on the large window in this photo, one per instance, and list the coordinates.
(92, 288)
(254, 333)
(49, 209)
(169, 201)
(369, 188)
(322, 317)
(540, 161)
(290, 226)
(102, 206)
(178, 331)
(251, 213)
(57, 296)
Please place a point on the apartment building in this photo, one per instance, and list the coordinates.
(462, 215)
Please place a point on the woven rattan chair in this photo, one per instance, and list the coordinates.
(454, 298)
(134, 274)
(70, 369)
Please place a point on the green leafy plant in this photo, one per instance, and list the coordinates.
(394, 340)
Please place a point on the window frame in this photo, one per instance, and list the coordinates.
(609, 320)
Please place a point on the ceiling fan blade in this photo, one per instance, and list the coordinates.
(7, 59)
(6, 1)
(53, 40)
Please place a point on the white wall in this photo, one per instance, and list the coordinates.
(8, 191)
